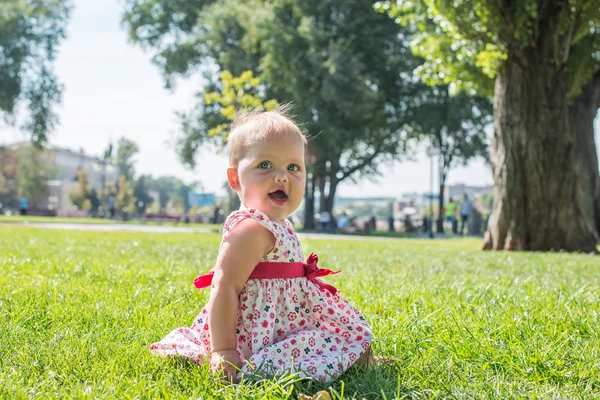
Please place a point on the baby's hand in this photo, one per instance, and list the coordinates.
(226, 362)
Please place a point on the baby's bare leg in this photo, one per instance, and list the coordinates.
(366, 359)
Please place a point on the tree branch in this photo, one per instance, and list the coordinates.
(363, 163)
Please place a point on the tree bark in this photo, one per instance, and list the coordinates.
(440, 220)
(309, 203)
(321, 181)
(540, 177)
(333, 181)
(581, 116)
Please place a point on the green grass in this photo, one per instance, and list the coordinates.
(78, 311)
(18, 219)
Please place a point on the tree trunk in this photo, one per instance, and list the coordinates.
(581, 116)
(309, 203)
(440, 219)
(540, 200)
(331, 195)
(322, 197)
(333, 181)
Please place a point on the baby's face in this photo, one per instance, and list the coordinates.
(272, 176)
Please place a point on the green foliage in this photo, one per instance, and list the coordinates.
(94, 200)
(240, 92)
(108, 190)
(30, 33)
(140, 192)
(456, 322)
(464, 42)
(125, 200)
(126, 150)
(345, 67)
(33, 170)
(455, 124)
(165, 186)
(81, 196)
(108, 152)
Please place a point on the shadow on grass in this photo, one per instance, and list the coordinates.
(378, 382)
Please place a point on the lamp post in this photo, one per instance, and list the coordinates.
(432, 151)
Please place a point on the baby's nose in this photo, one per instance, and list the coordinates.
(281, 177)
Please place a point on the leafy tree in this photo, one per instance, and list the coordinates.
(540, 60)
(346, 68)
(8, 168)
(108, 153)
(81, 196)
(456, 126)
(30, 33)
(165, 186)
(125, 200)
(32, 173)
(4, 190)
(94, 200)
(109, 189)
(107, 158)
(140, 191)
(231, 94)
(236, 93)
(126, 150)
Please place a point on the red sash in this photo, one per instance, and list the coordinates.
(282, 270)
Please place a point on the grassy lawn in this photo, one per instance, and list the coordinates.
(79, 310)
(18, 219)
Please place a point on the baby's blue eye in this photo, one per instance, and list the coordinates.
(264, 165)
(293, 167)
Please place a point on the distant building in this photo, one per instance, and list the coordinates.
(67, 163)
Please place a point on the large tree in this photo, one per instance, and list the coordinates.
(140, 191)
(83, 192)
(32, 173)
(166, 187)
(540, 60)
(30, 32)
(126, 150)
(345, 67)
(8, 171)
(125, 200)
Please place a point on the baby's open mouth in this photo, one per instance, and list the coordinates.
(278, 195)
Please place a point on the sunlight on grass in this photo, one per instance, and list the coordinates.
(79, 309)
(28, 219)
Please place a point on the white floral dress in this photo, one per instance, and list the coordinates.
(283, 325)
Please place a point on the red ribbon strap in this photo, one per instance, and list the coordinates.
(282, 270)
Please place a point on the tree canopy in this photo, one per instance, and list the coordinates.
(30, 32)
(126, 150)
(347, 68)
(541, 61)
(464, 42)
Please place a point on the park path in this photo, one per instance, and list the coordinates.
(172, 229)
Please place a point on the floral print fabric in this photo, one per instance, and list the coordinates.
(283, 325)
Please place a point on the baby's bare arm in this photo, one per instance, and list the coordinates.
(245, 247)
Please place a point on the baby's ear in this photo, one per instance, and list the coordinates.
(233, 178)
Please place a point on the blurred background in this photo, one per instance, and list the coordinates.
(118, 110)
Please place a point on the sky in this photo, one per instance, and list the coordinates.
(111, 89)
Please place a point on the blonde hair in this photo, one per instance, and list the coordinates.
(253, 126)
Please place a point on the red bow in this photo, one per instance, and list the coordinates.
(312, 272)
(204, 281)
